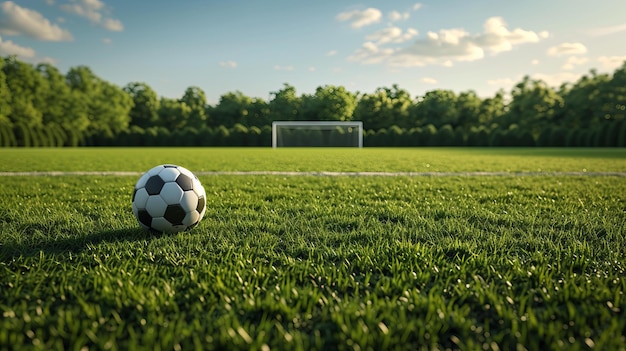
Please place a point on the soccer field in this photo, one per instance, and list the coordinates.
(425, 248)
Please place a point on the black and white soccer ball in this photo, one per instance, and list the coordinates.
(169, 199)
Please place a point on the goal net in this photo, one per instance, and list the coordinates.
(317, 134)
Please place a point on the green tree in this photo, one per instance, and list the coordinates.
(195, 99)
(384, 108)
(173, 114)
(329, 103)
(437, 107)
(618, 86)
(108, 106)
(232, 108)
(491, 109)
(27, 90)
(584, 101)
(114, 108)
(5, 97)
(145, 111)
(468, 106)
(596, 102)
(62, 113)
(534, 106)
(7, 136)
(259, 113)
(284, 104)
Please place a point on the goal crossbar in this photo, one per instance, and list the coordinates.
(316, 124)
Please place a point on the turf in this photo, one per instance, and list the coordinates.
(318, 262)
(315, 159)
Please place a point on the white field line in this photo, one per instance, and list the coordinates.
(327, 174)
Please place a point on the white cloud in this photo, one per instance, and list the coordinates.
(612, 62)
(574, 61)
(602, 31)
(93, 11)
(89, 9)
(417, 6)
(113, 25)
(497, 37)
(567, 49)
(107, 40)
(370, 53)
(429, 80)
(395, 16)
(16, 20)
(228, 64)
(50, 2)
(24, 53)
(360, 19)
(311, 69)
(283, 68)
(439, 48)
(10, 48)
(534, 62)
(391, 35)
(445, 46)
(331, 53)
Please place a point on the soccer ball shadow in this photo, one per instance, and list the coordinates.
(73, 244)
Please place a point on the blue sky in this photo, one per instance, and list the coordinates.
(256, 46)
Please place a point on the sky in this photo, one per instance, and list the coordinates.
(256, 46)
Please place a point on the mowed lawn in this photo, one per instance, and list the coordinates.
(438, 159)
(314, 262)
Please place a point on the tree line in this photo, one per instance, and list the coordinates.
(40, 106)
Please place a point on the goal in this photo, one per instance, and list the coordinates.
(317, 134)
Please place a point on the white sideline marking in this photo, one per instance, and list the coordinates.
(327, 174)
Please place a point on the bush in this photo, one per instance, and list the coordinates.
(221, 136)
(381, 137)
(395, 136)
(478, 136)
(429, 134)
(497, 138)
(369, 137)
(238, 135)
(414, 136)
(621, 137)
(445, 136)
(573, 138)
(266, 136)
(611, 133)
(7, 138)
(524, 138)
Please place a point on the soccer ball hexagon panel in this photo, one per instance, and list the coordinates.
(169, 199)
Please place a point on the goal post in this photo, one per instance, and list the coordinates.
(317, 134)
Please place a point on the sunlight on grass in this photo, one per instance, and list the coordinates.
(318, 262)
(318, 159)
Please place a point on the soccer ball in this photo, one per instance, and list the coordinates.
(168, 199)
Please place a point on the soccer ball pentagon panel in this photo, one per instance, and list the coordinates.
(168, 199)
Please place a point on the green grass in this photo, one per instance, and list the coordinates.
(317, 262)
(315, 159)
